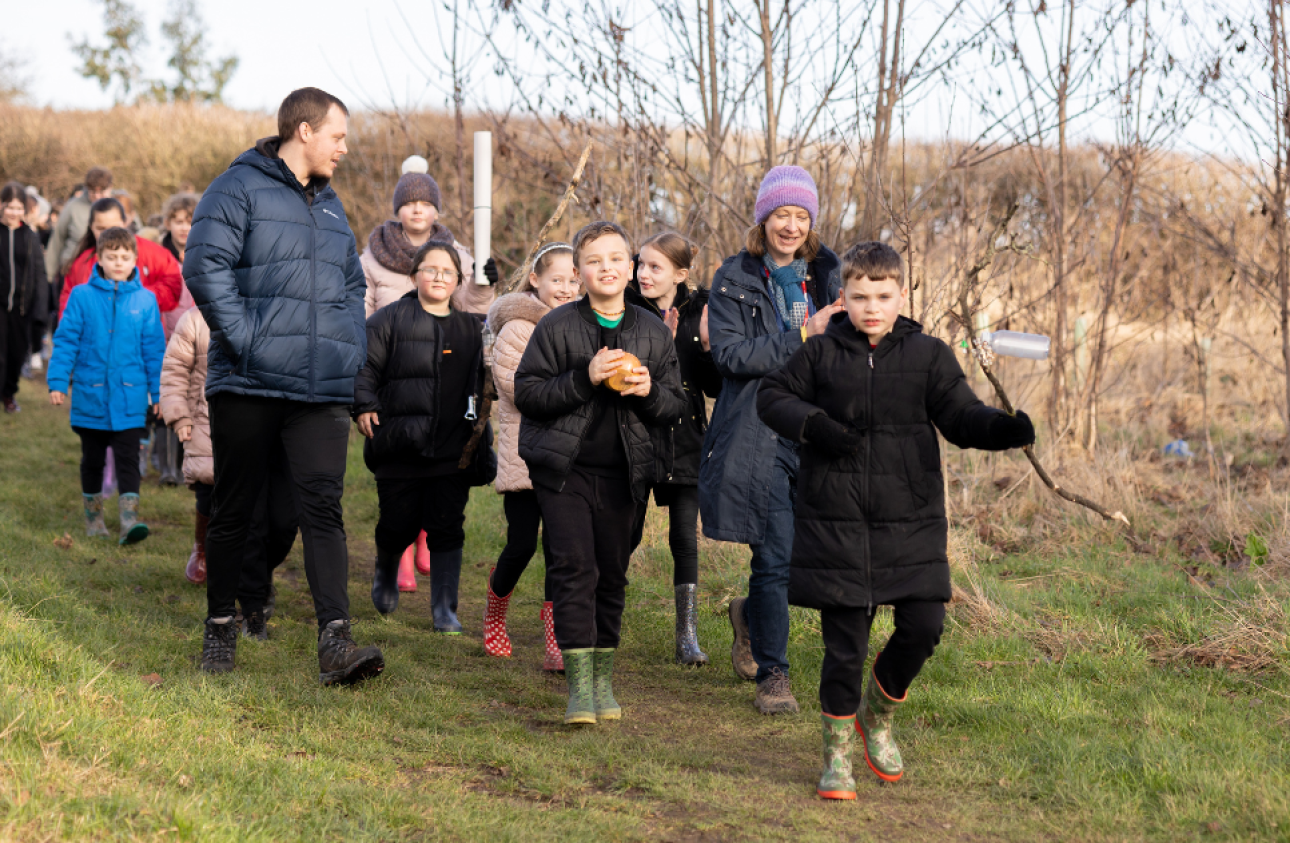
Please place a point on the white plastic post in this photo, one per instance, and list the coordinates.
(483, 202)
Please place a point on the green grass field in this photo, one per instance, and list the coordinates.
(1073, 705)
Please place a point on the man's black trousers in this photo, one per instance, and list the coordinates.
(246, 431)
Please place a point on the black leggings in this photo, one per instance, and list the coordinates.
(523, 518)
(846, 645)
(682, 504)
(125, 456)
(436, 505)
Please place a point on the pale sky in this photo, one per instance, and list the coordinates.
(367, 53)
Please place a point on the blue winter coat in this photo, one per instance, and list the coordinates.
(108, 350)
(747, 344)
(278, 280)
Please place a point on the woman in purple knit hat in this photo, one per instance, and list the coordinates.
(782, 287)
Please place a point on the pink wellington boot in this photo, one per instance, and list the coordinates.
(496, 640)
(407, 570)
(554, 661)
(423, 555)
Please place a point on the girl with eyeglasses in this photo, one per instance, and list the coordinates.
(415, 400)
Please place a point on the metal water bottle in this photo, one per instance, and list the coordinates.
(1017, 344)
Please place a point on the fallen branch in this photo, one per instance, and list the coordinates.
(522, 272)
(985, 357)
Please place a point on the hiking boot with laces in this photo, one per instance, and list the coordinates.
(255, 625)
(219, 646)
(741, 651)
(774, 696)
(341, 661)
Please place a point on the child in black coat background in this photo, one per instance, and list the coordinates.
(866, 398)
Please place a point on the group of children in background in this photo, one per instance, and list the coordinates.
(603, 366)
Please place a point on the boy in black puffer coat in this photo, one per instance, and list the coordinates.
(866, 398)
(593, 453)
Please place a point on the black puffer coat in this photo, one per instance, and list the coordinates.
(400, 382)
(871, 528)
(554, 393)
(23, 288)
(699, 378)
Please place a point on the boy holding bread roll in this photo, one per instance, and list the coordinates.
(599, 389)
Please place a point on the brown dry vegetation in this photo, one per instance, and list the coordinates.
(1192, 345)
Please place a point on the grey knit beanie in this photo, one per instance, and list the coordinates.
(417, 187)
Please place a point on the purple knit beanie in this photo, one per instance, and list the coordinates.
(787, 186)
(417, 187)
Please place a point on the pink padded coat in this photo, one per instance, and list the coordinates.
(183, 393)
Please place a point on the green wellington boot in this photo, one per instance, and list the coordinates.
(836, 782)
(607, 707)
(132, 529)
(874, 724)
(579, 673)
(94, 525)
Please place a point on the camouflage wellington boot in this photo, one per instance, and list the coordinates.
(607, 707)
(836, 782)
(94, 526)
(874, 723)
(133, 530)
(578, 673)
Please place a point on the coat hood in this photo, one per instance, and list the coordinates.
(264, 157)
(684, 298)
(841, 329)
(525, 306)
(97, 280)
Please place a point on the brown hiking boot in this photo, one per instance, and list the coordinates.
(774, 696)
(741, 651)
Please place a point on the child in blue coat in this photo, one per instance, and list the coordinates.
(108, 349)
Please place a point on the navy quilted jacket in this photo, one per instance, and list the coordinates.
(278, 280)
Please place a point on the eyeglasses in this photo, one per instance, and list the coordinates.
(436, 274)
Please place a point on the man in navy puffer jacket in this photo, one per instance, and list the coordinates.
(272, 264)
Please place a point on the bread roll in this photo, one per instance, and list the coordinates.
(626, 363)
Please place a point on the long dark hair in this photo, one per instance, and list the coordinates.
(14, 190)
(100, 207)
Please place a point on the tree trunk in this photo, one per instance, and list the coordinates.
(1057, 399)
(768, 60)
(889, 86)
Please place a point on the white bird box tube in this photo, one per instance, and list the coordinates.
(483, 202)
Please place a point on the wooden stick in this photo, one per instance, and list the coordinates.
(964, 318)
(520, 274)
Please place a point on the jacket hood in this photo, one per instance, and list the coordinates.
(264, 157)
(97, 279)
(525, 306)
(840, 328)
(684, 297)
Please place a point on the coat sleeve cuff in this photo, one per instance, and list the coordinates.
(582, 383)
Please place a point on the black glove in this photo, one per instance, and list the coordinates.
(490, 271)
(1011, 431)
(836, 440)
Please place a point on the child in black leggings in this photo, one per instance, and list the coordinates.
(108, 352)
(866, 399)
